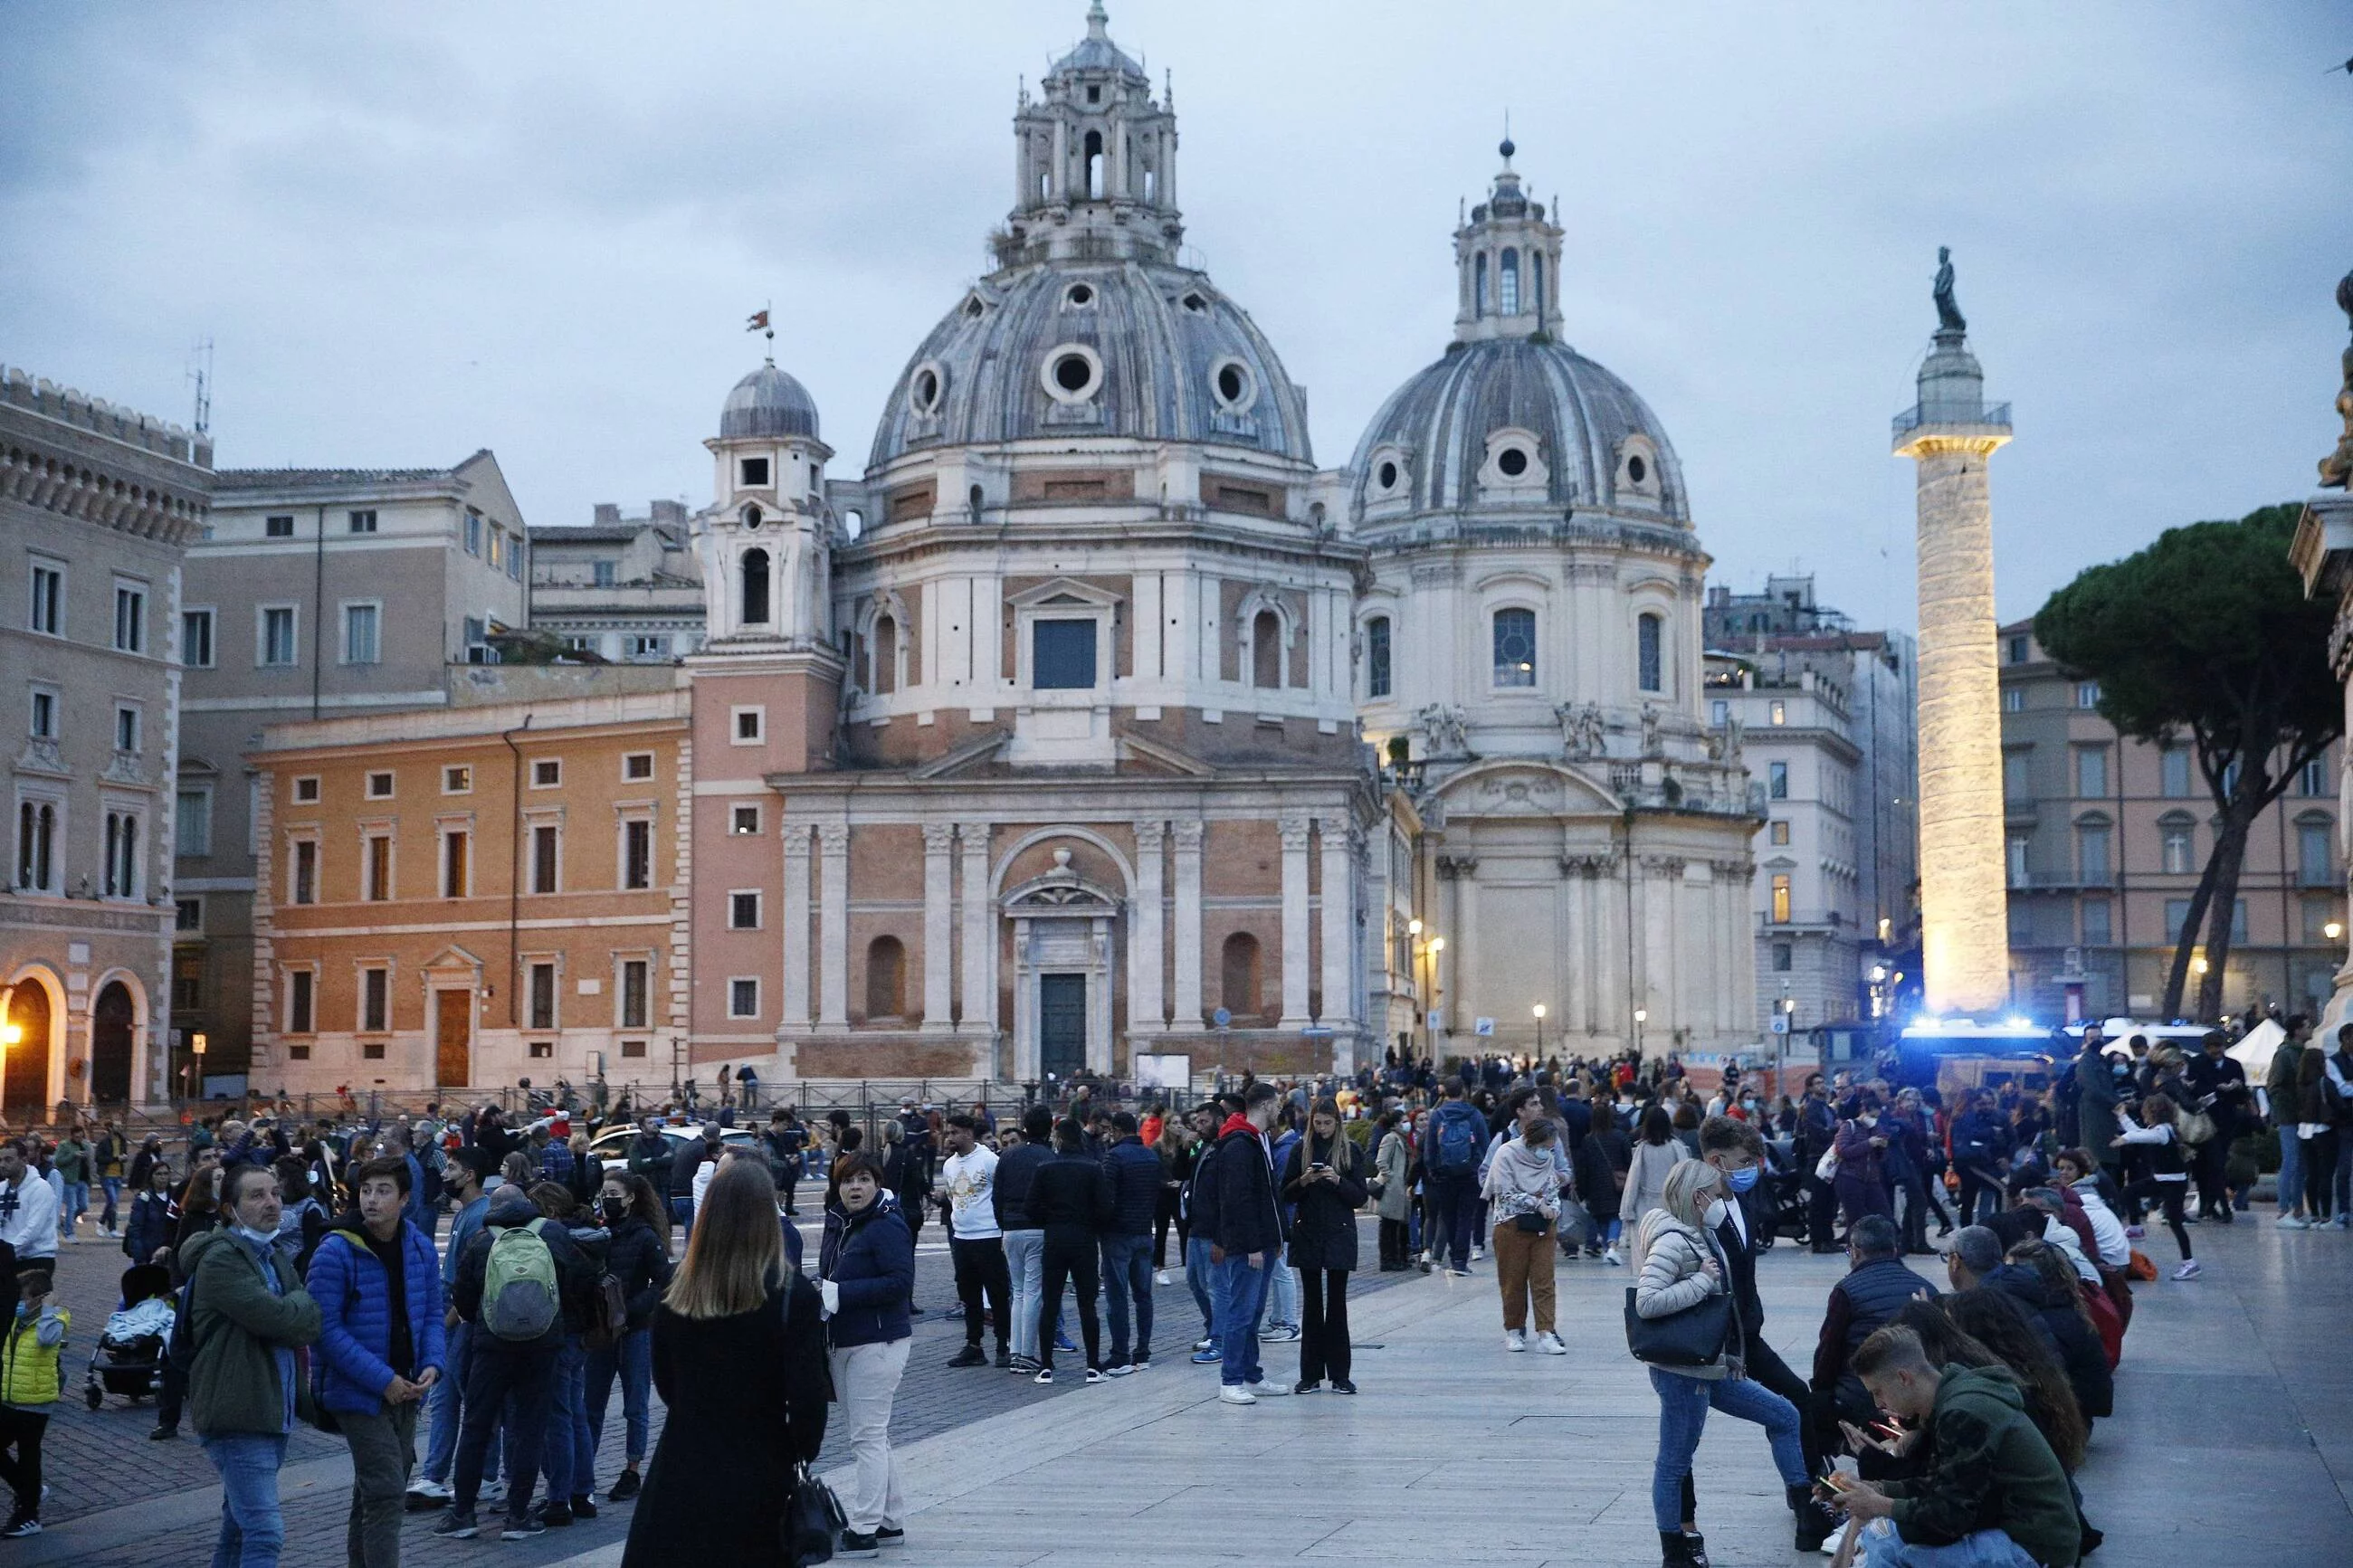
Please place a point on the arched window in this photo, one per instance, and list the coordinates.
(1536, 276)
(1515, 648)
(1237, 975)
(755, 587)
(885, 642)
(1507, 292)
(1377, 657)
(1266, 650)
(1650, 657)
(1479, 284)
(1094, 165)
(886, 978)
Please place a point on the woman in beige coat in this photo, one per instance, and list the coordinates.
(1657, 1150)
(1393, 1167)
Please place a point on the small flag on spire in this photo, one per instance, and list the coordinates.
(758, 322)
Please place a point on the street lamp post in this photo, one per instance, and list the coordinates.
(1642, 1017)
(1540, 1017)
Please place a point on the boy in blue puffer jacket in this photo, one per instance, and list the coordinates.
(378, 1286)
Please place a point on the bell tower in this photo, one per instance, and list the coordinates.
(766, 541)
(1095, 162)
(1507, 259)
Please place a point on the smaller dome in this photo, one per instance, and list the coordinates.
(1096, 52)
(768, 403)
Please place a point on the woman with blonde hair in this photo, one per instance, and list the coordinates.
(739, 1360)
(1681, 1268)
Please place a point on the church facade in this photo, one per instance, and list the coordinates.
(1091, 720)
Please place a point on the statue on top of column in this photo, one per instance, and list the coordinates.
(1948, 313)
(2336, 468)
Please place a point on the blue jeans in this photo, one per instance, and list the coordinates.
(1238, 1291)
(1127, 1274)
(1024, 1252)
(1455, 1201)
(633, 1360)
(1684, 1405)
(252, 1529)
(2291, 1171)
(1200, 1276)
(1282, 1295)
(445, 1407)
(681, 1213)
(1883, 1548)
(112, 1186)
(561, 1457)
(77, 1205)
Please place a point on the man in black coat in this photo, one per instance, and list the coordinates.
(1246, 1244)
(1877, 1285)
(1817, 1129)
(2217, 1086)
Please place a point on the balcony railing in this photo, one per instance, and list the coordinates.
(1994, 415)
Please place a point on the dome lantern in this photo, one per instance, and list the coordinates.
(1095, 162)
(1508, 259)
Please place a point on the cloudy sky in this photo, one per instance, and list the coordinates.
(413, 230)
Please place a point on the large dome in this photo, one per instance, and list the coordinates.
(1599, 445)
(768, 403)
(1130, 348)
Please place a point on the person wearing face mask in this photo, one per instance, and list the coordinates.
(1735, 1152)
(1861, 1145)
(637, 1256)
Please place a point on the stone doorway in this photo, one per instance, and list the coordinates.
(1061, 1024)
(453, 1038)
(111, 1022)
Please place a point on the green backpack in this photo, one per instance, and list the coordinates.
(519, 1297)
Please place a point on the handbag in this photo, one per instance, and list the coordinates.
(1696, 1336)
(2196, 1128)
(1576, 1223)
(814, 1519)
(1826, 1169)
(1530, 1223)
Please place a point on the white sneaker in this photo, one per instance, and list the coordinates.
(2188, 1270)
(1513, 1340)
(2293, 1222)
(1236, 1393)
(1550, 1344)
(1270, 1389)
(431, 1491)
(1478, 1254)
(1611, 1258)
(1163, 1278)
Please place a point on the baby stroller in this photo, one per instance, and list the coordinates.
(129, 1360)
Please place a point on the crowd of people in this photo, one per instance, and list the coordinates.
(1945, 1411)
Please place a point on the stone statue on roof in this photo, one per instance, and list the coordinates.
(1948, 314)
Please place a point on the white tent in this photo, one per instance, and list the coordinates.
(2255, 1052)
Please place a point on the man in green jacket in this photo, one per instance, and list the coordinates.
(250, 1314)
(1994, 1496)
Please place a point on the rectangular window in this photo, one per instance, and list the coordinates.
(2017, 861)
(187, 914)
(377, 867)
(637, 855)
(129, 617)
(755, 473)
(48, 612)
(1776, 777)
(304, 887)
(1649, 653)
(637, 765)
(546, 772)
(2091, 854)
(44, 716)
(743, 912)
(1377, 657)
(604, 573)
(2174, 839)
(187, 979)
(2313, 778)
(379, 784)
(363, 521)
(743, 998)
(278, 637)
(543, 996)
(633, 1048)
(361, 642)
(1782, 899)
(456, 866)
(192, 823)
(2096, 923)
(473, 533)
(745, 820)
(1062, 655)
(458, 779)
(750, 723)
(2315, 865)
(306, 790)
(122, 855)
(1780, 833)
(2013, 699)
(37, 832)
(514, 558)
(498, 547)
(281, 526)
(1779, 712)
(633, 972)
(126, 727)
(2091, 773)
(2015, 783)
(543, 847)
(299, 1000)
(376, 1000)
(2017, 650)
(1719, 713)
(2088, 694)
(643, 647)
(2173, 771)
(196, 639)
(1784, 958)
(2319, 914)
(1513, 638)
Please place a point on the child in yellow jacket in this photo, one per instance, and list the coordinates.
(29, 1384)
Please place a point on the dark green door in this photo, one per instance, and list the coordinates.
(1061, 1024)
(110, 1045)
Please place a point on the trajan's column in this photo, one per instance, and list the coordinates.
(1951, 435)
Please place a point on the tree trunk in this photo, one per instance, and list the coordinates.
(2222, 914)
(2185, 942)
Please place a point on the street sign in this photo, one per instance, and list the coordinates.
(1780, 1024)
(1317, 1031)
(1222, 1018)
(1438, 1020)
(1483, 1027)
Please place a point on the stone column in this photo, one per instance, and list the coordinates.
(1192, 1005)
(979, 942)
(1146, 1009)
(1964, 911)
(796, 1018)
(1293, 830)
(939, 928)
(833, 912)
(1339, 921)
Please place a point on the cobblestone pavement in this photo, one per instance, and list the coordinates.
(116, 1494)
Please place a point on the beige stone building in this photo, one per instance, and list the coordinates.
(97, 505)
(320, 593)
(468, 896)
(625, 589)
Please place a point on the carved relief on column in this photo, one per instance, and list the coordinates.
(1190, 1005)
(833, 915)
(796, 1016)
(1147, 1010)
(1294, 832)
(978, 942)
(939, 926)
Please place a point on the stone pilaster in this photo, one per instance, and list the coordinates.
(939, 928)
(796, 1016)
(833, 914)
(1339, 841)
(1146, 1012)
(979, 934)
(1191, 1005)
(1293, 830)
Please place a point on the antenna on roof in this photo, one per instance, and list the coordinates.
(200, 370)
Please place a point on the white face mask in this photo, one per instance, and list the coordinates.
(1714, 1214)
